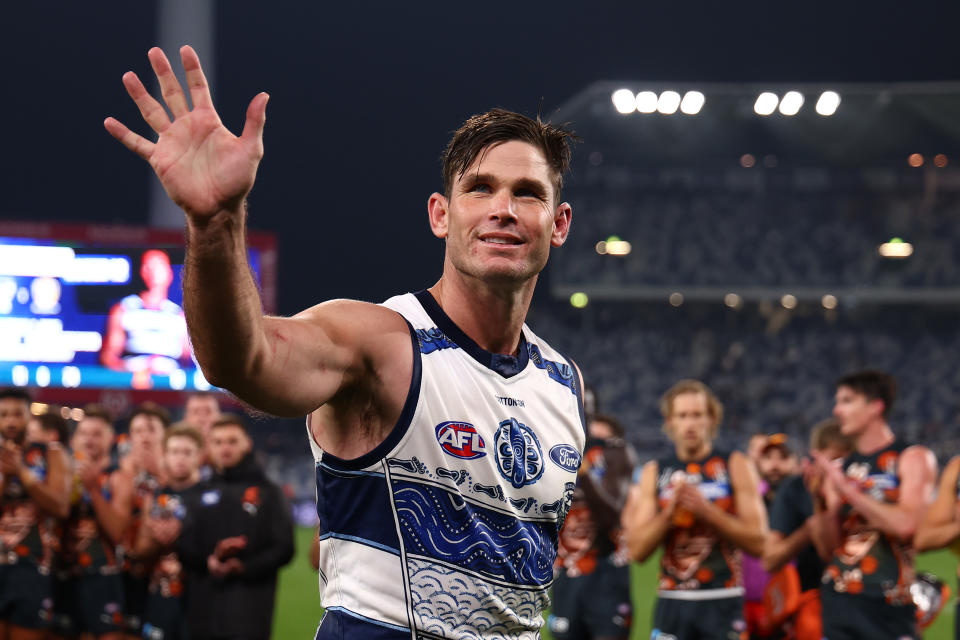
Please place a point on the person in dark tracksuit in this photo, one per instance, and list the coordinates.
(236, 534)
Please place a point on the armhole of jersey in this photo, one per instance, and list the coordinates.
(399, 429)
(578, 391)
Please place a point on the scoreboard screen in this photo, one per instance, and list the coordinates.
(102, 307)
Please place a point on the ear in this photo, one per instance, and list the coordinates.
(562, 219)
(437, 211)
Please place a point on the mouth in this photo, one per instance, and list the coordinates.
(501, 240)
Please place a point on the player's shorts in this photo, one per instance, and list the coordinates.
(847, 617)
(338, 624)
(134, 602)
(164, 619)
(26, 596)
(593, 605)
(92, 603)
(719, 619)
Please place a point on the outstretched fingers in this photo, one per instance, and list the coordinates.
(256, 118)
(150, 109)
(170, 87)
(196, 81)
(138, 144)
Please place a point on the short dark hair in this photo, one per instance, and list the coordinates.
(53, 421)
(13, 393)
(152, 409)
(183, 430)
(497, 126)
(231, 420)
(874, 385)
(615, 425)
(97, 411)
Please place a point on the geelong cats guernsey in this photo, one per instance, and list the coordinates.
(449, 528)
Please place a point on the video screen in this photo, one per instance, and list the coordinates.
(74, 314)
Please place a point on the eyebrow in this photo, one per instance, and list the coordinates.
(523, 183)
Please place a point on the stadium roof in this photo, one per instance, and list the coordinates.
(873, 125)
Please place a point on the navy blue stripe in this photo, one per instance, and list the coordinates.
(338, 623)
(357, 506)
(403, 423)
(578, 390)
(505, 366)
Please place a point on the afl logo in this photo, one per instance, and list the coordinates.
(461, 440)
(518, 453)
(566, 457)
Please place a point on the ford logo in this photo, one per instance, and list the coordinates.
(566, 457)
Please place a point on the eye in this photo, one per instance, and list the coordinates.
(528, 193)
(480, 187)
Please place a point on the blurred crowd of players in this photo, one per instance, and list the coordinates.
(173, 531)
(776, 542)
(166, 531)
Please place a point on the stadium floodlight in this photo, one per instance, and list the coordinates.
(791, 103)
(579, 300)
(766, 103)
(732, 300)
(828, 103)
(668, 103)
(915, 160)
(692, 103)
(829, 301)
(940, 160)
(602, 247)
(624, 101)
(789, 301)
(647, 102)
(896, 248)
(676, 299)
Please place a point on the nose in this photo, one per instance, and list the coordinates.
(502, 207)
(836, 411)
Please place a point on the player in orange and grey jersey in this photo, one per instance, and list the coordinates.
(164, 616)
(33, 492)
(591, 592)
(874, 502)
(92, 594)
(703, 506)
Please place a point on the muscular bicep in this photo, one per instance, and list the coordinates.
(308, 359)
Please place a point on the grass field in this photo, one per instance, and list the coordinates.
(298, 608)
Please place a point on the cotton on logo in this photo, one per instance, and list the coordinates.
(461, 440)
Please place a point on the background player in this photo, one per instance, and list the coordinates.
(591, 593)
(360, 370)
(33, 493)
(703, 506)
(875, 503)
(791, 523)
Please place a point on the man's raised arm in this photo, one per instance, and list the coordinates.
(287, 366)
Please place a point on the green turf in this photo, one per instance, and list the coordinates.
(298, 608)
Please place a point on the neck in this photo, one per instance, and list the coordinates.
(184, 483)
(875, 437)
(687, 455)
(491, 315)
(153, 297)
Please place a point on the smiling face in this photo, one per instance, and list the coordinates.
(14, 414)
(501, 219)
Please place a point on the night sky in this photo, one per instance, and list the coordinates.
(364, 95)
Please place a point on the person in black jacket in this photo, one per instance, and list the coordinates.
(237, 533)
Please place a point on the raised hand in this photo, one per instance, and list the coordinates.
(203, 167)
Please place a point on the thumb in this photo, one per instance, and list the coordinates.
(256, 118)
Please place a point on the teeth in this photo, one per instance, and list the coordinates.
(499, 241)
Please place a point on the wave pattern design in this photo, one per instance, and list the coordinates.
(439, 524)
(450, 604)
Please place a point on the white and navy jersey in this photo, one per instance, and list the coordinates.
(449, 528)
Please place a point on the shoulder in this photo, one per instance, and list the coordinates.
(918, 459)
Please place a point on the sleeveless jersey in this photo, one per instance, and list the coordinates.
(26, 531)
(167, 577)
(448, 529)
(697, 564)
(868, 562)
(152, 331)
(86, 547)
